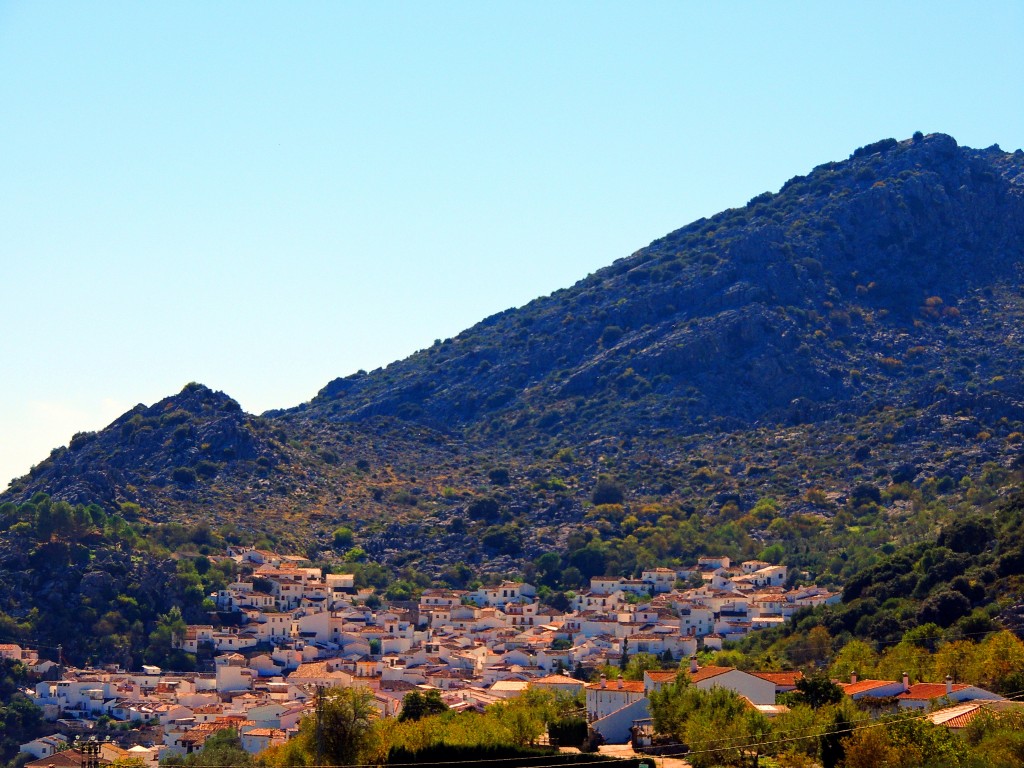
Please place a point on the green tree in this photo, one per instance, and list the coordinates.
(817, 691)
(996, 741)
(856, 657)
(714, 724)
(222, 748)
(1001, 666)
(347, 716)
(417, 705)
(831, 747)
(640, 663)
(169, 627)
(343, 537)
(608, 491)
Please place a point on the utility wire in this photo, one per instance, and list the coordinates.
(874, 723)
(540, 761)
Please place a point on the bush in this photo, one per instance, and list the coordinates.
(184, 475)
(343, 537)
(568, 732)
(608, 491)
(207, 468)
(499, 477)
(483, 509)
(877, 147)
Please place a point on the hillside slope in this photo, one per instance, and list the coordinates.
(844, 287)
(860, 327)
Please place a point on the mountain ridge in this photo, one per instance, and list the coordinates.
(754, 273)
(875, 299)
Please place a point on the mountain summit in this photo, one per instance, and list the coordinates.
(838, 290)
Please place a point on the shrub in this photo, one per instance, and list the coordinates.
(207, 468)
(878, 147)
(184, 475)
(343, 537)
(483, 509)
(607, 491)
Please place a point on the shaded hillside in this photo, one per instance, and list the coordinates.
(192, 446)
(196, 456)
(858, 282)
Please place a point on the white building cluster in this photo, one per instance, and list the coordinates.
(298, 628)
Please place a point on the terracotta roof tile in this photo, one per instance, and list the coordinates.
(662, 676)
(706, 673)
(630, 686)
(852, 689)
(928, 691)
(780, 678)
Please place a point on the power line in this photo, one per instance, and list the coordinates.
(542, 761)
(875, 723)
(564, 759)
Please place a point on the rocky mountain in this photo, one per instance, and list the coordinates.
(860, 326)
(824, 293)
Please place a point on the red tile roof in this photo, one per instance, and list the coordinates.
(631, 686)
(557, 680)
(662, 676)
(851, 689)
(69, 758)
(786, 679)
(706, 673)
(929, 691)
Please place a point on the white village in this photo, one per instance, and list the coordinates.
(303, 631)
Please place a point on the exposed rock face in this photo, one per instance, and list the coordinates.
(735, 317)
(175, 444)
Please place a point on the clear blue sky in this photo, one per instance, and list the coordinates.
(262, 197)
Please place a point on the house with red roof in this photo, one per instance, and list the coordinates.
(613, 707)
(784, 682)
(875, 689)
(927, 695)
(604, 697)
(559, 684)
(916, 696)
(959, 716)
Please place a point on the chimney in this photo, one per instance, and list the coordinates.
(949, 685)
(853, 678)
(620, 682)
(604, 681)
(906, 682)
(693, 664)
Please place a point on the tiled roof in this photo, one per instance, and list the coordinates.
(69, 758)
(960, 715)
(662, 676)
(929, 691)
(706, 673)
(956, 717)
(261, 732)
(557, 680)
(780, 678)
(314, 669)
(630, 686)
(861, 686)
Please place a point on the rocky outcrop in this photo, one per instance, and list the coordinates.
(183, 442)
